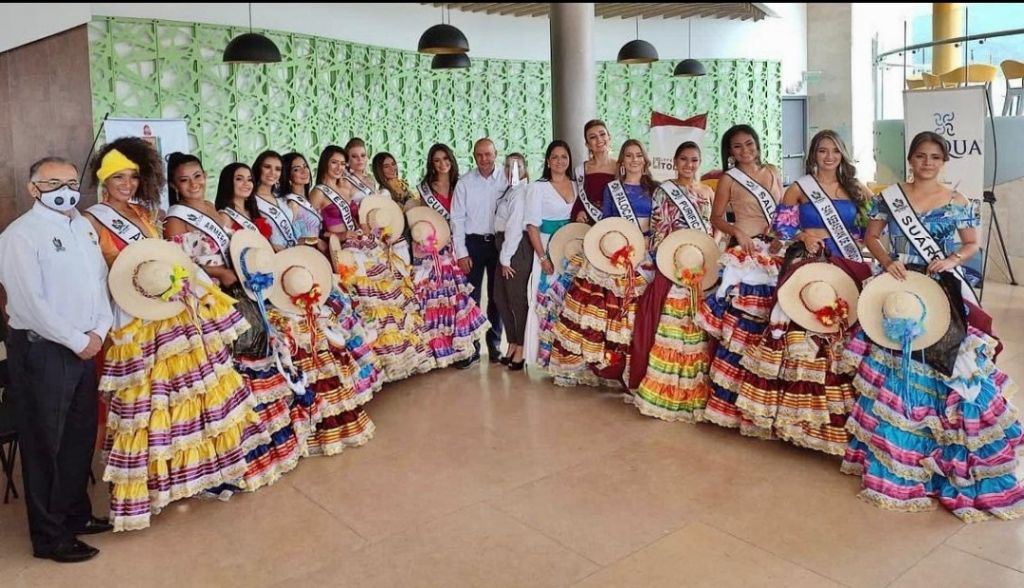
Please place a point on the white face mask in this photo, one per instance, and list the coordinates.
(62, 199)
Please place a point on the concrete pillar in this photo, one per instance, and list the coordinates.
(947, 23)
(573, 79)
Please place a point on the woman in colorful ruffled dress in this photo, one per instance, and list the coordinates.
(385, 171)
(677, 204)
(794, 390)
(736, 314)
(236, 200)
(630, 194)
(181, 418)
(383, 290)
(595, 173)
(452, 320)
(326, 346)
(594, 327)
(548, 208)
(306, 220)
(333, 196)
(192, 223)
(932, 423)
(565, 248)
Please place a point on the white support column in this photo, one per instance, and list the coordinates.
(573, 80)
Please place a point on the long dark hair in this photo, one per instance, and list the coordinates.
(646, 181)
(174, 161)
(151, 168)
(226, 191)
(431, 175)
(846, 173)
(377, 165)
(727, 140)
(286, 173)
(257, 171)
(928, 137)
(325, 158)
(684, 146)
(546, 174)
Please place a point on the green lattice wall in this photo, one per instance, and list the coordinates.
(325, 91)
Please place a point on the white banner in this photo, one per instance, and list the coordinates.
(667, 134)
(959, 116)
(166, 135)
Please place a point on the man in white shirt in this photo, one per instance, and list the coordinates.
(59, 308)
(473, 206)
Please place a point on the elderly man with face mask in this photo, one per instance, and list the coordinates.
(59, 307)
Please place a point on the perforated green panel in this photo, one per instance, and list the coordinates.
(325, 91)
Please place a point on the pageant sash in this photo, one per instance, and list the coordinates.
(621, 201)
(116, 223)
(830, 217)
(690, 214)
(763, 197)
(206, 225)
(343, 206)
(592, 211)
(304, 203)
(280, 220)
(917, 234)
(359, 184)
(427, 193)
(240, 219)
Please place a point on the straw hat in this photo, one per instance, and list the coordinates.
(917, 296)
(566, 242)
(381, 212)
(688, 249)
(143, 272)
(297, 270)
(259, 257)
(607, 237)
(813, 287)
(424, 222)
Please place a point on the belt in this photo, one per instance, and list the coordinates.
(484, 238)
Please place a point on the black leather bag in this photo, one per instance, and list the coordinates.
(253, 342)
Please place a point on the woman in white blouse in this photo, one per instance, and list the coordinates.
(515, 255)
(548, 206)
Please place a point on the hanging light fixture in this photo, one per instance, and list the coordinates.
(450, 61)
(251, 47)
(443, 39)
(637, 51)
(689, 68)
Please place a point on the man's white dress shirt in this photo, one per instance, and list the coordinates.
(473, 205)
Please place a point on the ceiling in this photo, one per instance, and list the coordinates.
(725, 10)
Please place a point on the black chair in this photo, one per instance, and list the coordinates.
(8, 436)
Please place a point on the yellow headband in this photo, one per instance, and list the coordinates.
(113, 162)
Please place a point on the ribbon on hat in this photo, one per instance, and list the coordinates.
(258, 282)
(431, 247)
(904, 331)
(692, 279)
(308, 302)
(113, 162)
(179, 282)
(624, 258)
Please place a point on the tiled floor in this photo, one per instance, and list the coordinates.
(492, 478)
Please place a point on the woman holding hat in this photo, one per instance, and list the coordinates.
(684, 203)
(565, 249)
(793, 390)
(236, 200)
(131, 177)
(452, 320)
(594, 328)
(737, 313)
(629, 195)
(932, 423)
(379, 283)
(181, 419)
(339, 368)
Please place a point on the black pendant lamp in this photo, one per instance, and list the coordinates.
(637, 51)
(689, 68)
(443, 39)
(450, 61)
(251, 48)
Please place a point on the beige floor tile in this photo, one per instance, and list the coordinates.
(699, 555)
(953, 568)
(1001, 542)
(476, 546)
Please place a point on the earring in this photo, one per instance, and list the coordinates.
(622, 171)
(731, 161)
